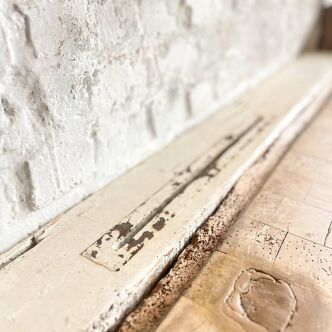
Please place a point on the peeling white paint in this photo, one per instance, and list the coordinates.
(90, 88)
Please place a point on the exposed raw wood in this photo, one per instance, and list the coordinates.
(84, 292)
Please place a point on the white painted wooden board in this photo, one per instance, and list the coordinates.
(58, 286)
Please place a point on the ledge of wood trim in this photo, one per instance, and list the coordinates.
(89, 296)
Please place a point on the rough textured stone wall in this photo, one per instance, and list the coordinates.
(89, 88)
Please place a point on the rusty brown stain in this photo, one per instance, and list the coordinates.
(123, 229)
(99, 241)
(134, 243)
(94, 253)
(137, 244)
(159, 224)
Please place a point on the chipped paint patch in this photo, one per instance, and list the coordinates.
(105, 251)
(120, 244)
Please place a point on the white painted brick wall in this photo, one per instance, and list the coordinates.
(89, 88)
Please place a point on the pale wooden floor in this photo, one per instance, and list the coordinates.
(274, 270)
